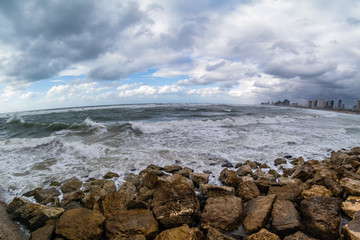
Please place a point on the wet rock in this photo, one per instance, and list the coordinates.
(55, 184)
(150, 180)
(222, 213)
(285, 218)
(244, 170)
(229, 178)
(352, 229)
(107, 185)
(259, 174)
(304, 172)
(93, 197)
(199, 178)
(44, 233)
(274, 173)
(172, 168)
(316, 191)
(257, 213)
(227, 165)
(80, 223)
(238, 165)
(9, 229)
(298, 161)
(279, 161)
(112, 203)
(128, 223)
(185, 172)
(31, 193)
(73, 196)
(351, 186)
(264, 165)
(287, 171)
(71, 185)
(181, 233)
(333, 186)
(174, 201)
(351, 205)
(211, 191)
(299, 236)
(321, 216)
(109, 175)
(263, 234)
(252, 164)
(247, 191)
(46, 195)
(213, 234)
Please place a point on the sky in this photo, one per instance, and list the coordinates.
(66, 53)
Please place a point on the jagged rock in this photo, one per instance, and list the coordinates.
(321, 216)
(252, 164)
(299, 236)
(333, 186)
(80, 223)
(172, 168)
(352, 229)
(112, 203)
(181, 233)
(128, 223)
(351, 186)
(222, 213)
(264, 185)
(274, 173)
(150, 180)
(298, 161)
(9, 229)
(71, 185)
(211, 191)
(135, 237)
(288, 171)
(263, 234)
(247, 190)
(75, 204)
(257, 213)
(46, 194)
(185, 172)
(213, 234)
(229, 178)
(304, 172)
(351, 205)
(107, 185)
(316, 191)
(129, 189)
(259, 174)
(145, 194)
(44, 233)
(73, 196)
(279, 161)
(109, 175)
(244, 170)
(174, 201)
(31, 193)
(285, 218)
(287, 180)
(264, 165)
(93, 197)
(199, 178)
(290, 192)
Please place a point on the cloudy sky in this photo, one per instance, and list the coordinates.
(60, 53)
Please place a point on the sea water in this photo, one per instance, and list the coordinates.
(38, 147)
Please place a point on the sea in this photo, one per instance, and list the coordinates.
(38, 147)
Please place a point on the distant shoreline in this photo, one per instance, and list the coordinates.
(319, 109)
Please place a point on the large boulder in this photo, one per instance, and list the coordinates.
(71, 185)
(257, 213)
(229, 178)
(9, 229)
(247, 190)
(222, 213)
(210, 191)
(351, 205)
(91, 199)
(213, 234)
(73, 196)
(263, 234)
(174, 201)
(46, 195)
(351, 186)
(333, 186)
(133, 222)
(316, 191)
(352, 229)
(285, 218)
(107, 185)
(199, 178)
(111, 203)
(44, 233)
(290, 192)
(80, 223)
(321, 216)
(304, 172)
(181, 233)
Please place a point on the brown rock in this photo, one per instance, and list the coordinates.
(71, 185)
(279, 161)
(299, 236)
(333, 186)
(128, 223)
(150, 180)
(210, 191)
(321, 216)
(264, 185)
(111, 203)
(9, 229)
(247, 191)
(213, 234)
(73, 196)
(222, 213)
(229, 178)
(257, 213)
(352, 229)
(107, 185)
(130, 189)
(351, 205)
(244, 170)
(285, 218)
(44, 233)
(351, 186)
(263, 234)
(80, 223)
(93, 197)
(290, 192)
(172, 168)
(274, 173)
(109, 175)
(252, 164)
(304, 172)
(181, 233)
(287, 180)
(46, 194)
(316, 191)
(199, 178)
(185, 172)
(135, 237)
(298, 161)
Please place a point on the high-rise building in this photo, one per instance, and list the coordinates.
(358, 106)
(340, 104)
(310, 104)
(320, 103)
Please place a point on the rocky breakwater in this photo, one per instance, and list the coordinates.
(311, 200)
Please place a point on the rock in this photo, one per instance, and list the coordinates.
(316, 191)
(227, 165)
(9, 229)
(287, 171)
(222, 213)
(259, 174)
(109, 175)
(213, 234)
(244, 170)
(185, 172)
(172, 168)
(181, 233)
(80, 223)
(150, 180)
(174, 201)
(264, 165)
(199, 178)
(351, 186)
(112, 203)
(333, 186)
(44, 233)
(298, 161)
(304, 172)
(263, 234)
(285, 218)
(55, 184)
(210, 191)
(73, 196)
(71, 185)
(238, 165)
(257, 213)
(128, 223)
(299, 236)
(107, 185)
(93, 197)
(321, 216)
(229, 178)
(264, 185)
(46, 194)
(279, 161)
(351, 205)
(287, 180)
(252, 164)
(31, 193)
(135, 237)
(247, 191)
(352, 229)
(130, 190)
(274, 173)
